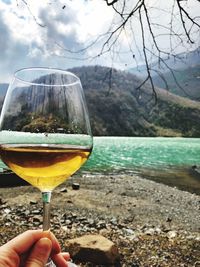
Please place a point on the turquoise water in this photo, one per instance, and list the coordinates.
(166, 160)
(130, 153)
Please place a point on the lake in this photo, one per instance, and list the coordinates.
(167, 160)
(171, 161)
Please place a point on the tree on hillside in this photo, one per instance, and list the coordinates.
(138, 22)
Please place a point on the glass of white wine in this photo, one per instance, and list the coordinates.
(45, 133)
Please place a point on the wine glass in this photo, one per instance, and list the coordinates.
(45, 133)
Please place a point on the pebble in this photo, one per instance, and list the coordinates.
(150, 231)
(36, 211)
(128, 231)
(75, 186)
(2, 202)
(63, 190)
(33, 202)
(7, 211)
(171, 234)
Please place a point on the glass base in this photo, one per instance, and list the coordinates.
(50, 264)
(69, 263)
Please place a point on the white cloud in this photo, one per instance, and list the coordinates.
(32, 34)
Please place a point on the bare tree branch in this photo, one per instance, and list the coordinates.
(110, 3)
(34, 17)
(149, 77)
(192, 20)
(137, 10)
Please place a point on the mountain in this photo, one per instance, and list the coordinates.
(186, 82)
(119, 107)
(180, 62)
(181, 77)
(3, 89)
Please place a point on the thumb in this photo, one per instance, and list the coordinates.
(40, 253)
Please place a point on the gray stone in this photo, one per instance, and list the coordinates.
(36, 212)
(93, 248)
(75, 186)
(150, 231)
(33, 202)
(172, 234)
(63, 190)
(2, 202)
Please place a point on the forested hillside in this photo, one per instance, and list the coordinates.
(118, 107)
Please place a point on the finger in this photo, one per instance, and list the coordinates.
(25, 241)
(55, 244)
(8, 257)
(65, 255)
(40, 253)
(61, 259)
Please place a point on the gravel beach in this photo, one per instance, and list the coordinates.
(152, 224)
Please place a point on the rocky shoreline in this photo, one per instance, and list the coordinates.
(151, 224)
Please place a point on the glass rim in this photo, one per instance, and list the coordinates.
(47, 69)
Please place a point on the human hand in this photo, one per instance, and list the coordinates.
(32, 249)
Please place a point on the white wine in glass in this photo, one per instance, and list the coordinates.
(45, 133)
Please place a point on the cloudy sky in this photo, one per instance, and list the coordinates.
(50, 33)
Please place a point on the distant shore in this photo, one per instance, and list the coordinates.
(182, 177)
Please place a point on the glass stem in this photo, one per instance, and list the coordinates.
(46, 197)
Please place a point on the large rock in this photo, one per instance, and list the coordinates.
(93, 248)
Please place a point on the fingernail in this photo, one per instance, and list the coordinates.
(45, 243)
(46, 234)
(66, 256)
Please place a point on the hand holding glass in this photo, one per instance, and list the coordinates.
(45, 133)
